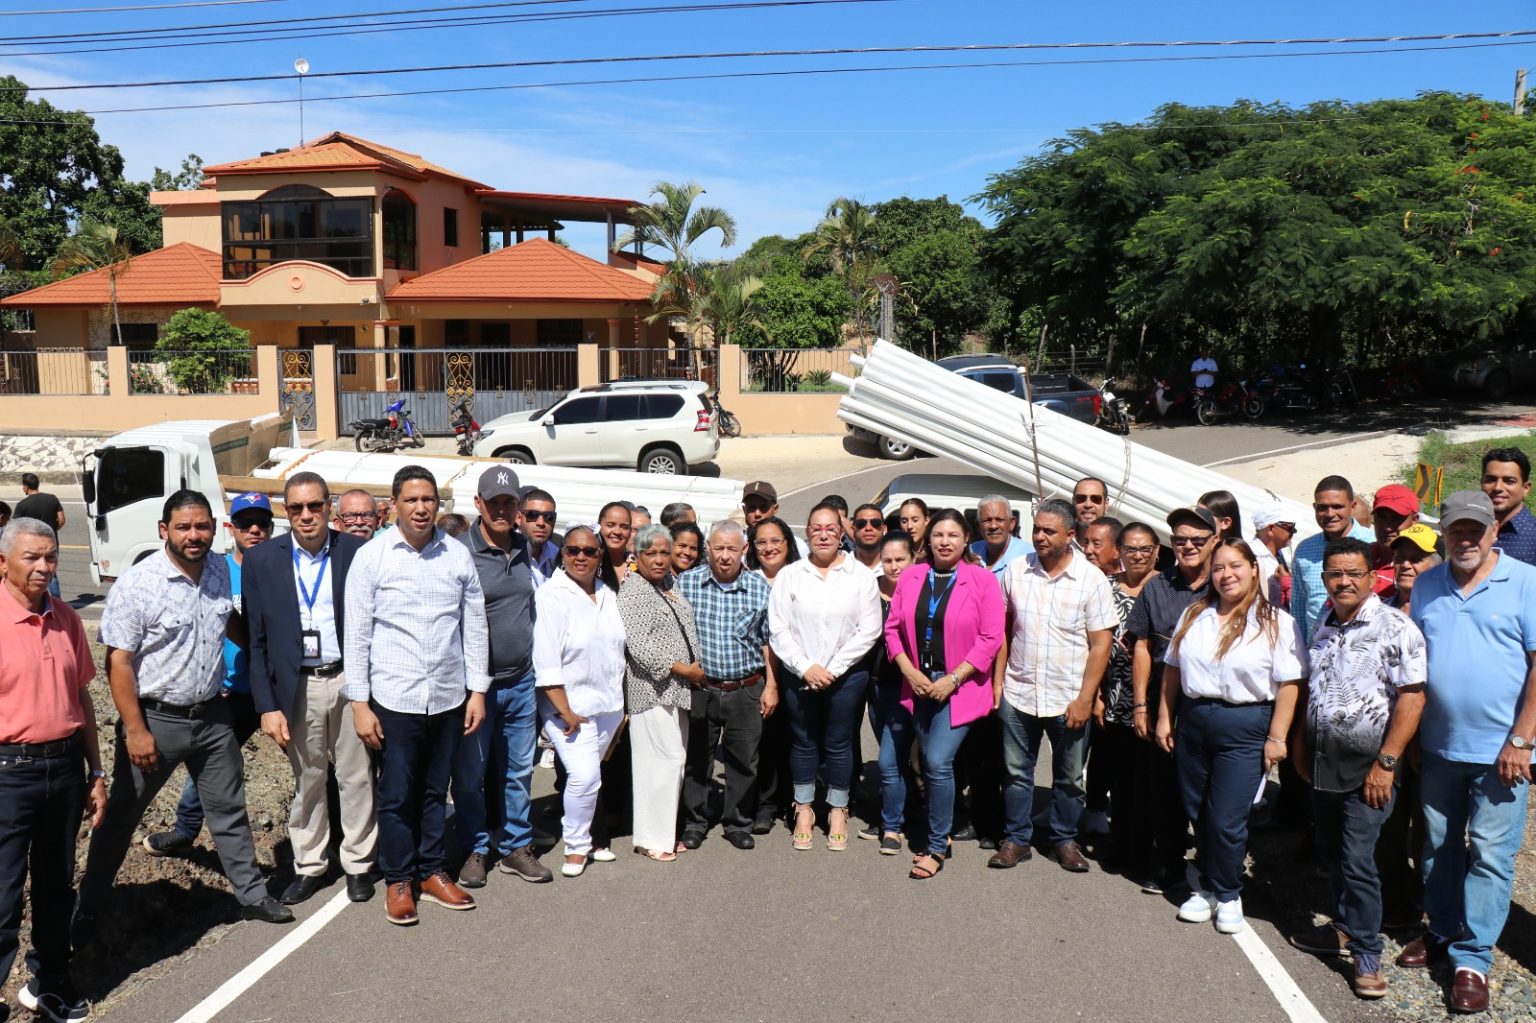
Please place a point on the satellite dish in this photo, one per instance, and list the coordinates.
(301, 66)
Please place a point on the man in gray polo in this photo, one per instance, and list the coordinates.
(164, 627)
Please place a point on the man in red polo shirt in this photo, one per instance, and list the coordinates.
(47, 744)
(1395, 508)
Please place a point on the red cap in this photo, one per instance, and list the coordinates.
(1398, 498)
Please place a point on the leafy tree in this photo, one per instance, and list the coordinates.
(97, 246)
(944, 295)
(846, 235)
(188, 177)
(202, 350)
(672, 222)
(727, 300)
(791, 313)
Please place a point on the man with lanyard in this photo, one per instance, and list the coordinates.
(250, 521)
(164, 627)
(295, 604)
(1507, 482)
(493, 769)
(536, 521)
(47, 743)
(730, 607)
(1160, 828)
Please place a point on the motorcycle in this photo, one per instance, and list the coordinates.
(730, 426)
(393, 430)
(465, 429)
(1290, 392)
(1227, 400)
(1114, 412)
(1166, 402)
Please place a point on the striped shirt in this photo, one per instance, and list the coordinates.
(732, 619)
(1052, 617)
(415, 625)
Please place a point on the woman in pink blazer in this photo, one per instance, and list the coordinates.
(943, 633)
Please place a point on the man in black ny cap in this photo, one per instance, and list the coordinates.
(492, 813)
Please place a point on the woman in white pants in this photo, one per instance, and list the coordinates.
(661, 667)
(578, 663)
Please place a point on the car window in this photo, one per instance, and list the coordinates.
(661, 406)
(578, 410)
(999, 381)
(624, 407)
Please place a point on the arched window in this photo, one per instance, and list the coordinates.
(399, 231)
(298, 222)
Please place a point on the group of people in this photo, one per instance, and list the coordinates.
(655, 656)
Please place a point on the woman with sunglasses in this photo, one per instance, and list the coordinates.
(578, 662)
(687, 546)
(1230, 684)
(771, 546)
(823, 617)
(943, 634)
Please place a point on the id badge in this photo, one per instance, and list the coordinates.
(310, 638)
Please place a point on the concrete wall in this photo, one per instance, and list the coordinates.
(790, 412)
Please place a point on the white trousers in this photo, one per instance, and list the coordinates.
(658, 741)
(582, 755)
(319, 731)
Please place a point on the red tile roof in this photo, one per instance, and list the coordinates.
(533, 271)
(181, 274)
(339, 151)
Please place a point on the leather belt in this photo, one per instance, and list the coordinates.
(328, 670)
(729, 686)
(196, 710)
(40, 750)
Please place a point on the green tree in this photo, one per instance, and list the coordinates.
(791, 313)
(672, 223)
(97, 246)
(726, 303)
(203, 351)
(846, 236)
(188, 177)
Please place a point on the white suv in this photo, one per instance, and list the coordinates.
(656, 426)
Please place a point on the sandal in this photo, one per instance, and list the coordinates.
(658, 856)
(837, 833)
(805, 820)
(921, 871)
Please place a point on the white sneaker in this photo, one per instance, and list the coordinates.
(547, 758)
(573, 869)
(1229, 916)
(1095, 822)
(1197, 909)
(603, 856)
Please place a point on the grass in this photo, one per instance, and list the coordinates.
(1463, 463)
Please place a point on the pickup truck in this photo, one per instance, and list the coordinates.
(1066, 393)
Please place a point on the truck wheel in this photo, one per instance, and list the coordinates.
(663, 461)
(895, 450)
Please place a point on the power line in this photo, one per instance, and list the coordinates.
(138, 7)
(796, 72)
(1512, 38)
(266, 34)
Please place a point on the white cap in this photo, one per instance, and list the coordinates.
(1268, 515)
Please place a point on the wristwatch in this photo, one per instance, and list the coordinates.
(1520, 743)
(98, 773)
(1388, 761)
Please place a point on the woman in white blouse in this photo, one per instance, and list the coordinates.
(1230, 680)
(823, 617)
(578, 663)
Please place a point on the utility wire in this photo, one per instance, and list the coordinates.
(265, 34)
(1515, 38)
(137, 7)
(788, 73)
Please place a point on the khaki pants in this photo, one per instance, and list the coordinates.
(321, 730)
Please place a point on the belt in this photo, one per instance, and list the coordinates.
(196, 710)
(328, 670)
(40, 750)
(729, 686)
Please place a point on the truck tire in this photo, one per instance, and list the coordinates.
(895, 450)
(663, 460)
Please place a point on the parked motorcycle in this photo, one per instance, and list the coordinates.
(392, 430)
(1167, 402)
(1287, 391)
(730, 426)
(465, 429)
(1226, 400)
(1114, 412)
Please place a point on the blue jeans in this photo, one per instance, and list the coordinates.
(1467, 885)
(1347, 831)
(941, 742)
(501, 750)
(1021, 748)
(1219, 755)
(821, 727)
(893, 727)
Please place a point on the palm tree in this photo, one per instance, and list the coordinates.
(96, 246)
(725, 300)
(847, 235)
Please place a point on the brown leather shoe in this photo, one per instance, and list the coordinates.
(1009, 854)
(1370, 985)
(1422, 951)
(439, 888)
(1070, 857)
(400, 904)
(1470, 992)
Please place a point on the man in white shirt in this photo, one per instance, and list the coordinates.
(1204, 369)
(1272, 533)
(415, 655)
(1061, 621)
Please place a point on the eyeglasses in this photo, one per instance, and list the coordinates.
(823, 529)
(313, 507)
(868, 523)
(246, 525)
(768, 545)
(357, 516)
(539, 516)
(1139, 552)
(1089, 498)
(573, 551)
(1335, 574)
(1192, 541)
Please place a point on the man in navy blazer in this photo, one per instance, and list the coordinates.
(294, 597)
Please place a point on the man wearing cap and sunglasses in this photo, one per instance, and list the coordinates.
(760, 501)
(295, 606)
(1478, 614)
(1273, 532)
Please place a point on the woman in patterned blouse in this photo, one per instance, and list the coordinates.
(661, 666)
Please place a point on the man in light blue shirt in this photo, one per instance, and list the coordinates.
(998, 547)
(1333, 502)
(1478, 614)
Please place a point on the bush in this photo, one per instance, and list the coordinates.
(204, 350)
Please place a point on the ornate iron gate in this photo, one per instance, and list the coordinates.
(298, 387)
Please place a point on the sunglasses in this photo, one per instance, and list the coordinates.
(1089, 498)
(313, 507)
(1192, 541)
(539, 516)
(868, 523)
(246, 525)
(573, 551)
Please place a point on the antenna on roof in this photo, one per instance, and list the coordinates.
(302, 67)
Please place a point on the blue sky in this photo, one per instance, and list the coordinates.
(773, 151)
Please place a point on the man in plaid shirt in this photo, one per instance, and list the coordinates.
(730, 607)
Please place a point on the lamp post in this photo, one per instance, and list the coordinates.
(301, 66)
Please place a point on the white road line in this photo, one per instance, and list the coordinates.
(829, 479)
(1298, 1007)
(1347, 439)
(241, 982)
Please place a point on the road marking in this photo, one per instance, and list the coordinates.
(241, 982)
(1348, 439)
(829, 479)
(1298, 1008)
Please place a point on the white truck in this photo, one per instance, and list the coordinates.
(127, 479)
